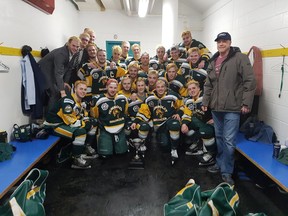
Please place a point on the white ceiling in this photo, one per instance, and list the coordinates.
(155, 6)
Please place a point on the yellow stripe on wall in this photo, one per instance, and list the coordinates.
(274, 52)
(10, 51)
(17, 52)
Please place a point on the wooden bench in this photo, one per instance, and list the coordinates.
(260, 154)
(27, 154)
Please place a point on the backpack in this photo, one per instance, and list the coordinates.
(22, 133)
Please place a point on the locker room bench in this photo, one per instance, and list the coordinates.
(260, 154)
(27, 154)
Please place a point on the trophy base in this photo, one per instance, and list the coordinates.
(136, 164)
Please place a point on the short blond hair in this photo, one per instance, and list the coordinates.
(134, 64)
(171, 65)
(79, 82)
(193, 49)
(117, 48)
(134, 46)
(74, 38)
(153, 72)
(184, 33)
(84, 35)
(193, 82)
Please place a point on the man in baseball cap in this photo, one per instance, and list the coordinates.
(223, 36)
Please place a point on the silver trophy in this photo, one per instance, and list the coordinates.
(137, 161)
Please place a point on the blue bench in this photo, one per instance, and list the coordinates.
(27, 154)
(260, 154)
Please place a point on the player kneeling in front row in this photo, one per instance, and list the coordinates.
(69, 118)
(164, 108)
(201, 129)
(110, 109)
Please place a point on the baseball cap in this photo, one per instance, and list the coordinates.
(223, 36)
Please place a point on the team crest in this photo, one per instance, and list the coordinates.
(135, 108)
(112, 75)
(191, 106)
(159, 113)
(155, 66)
(104, 106)
(95, 75)
(116, 112)
(68, 109)
(151, 104)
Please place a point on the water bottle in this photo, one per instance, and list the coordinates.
(276, 149)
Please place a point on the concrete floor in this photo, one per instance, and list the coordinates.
(109, 188)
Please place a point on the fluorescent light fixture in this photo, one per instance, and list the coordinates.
(143, 8)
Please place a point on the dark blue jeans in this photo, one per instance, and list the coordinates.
(226, 126)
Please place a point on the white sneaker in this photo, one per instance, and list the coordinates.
(174, 154)
(80, 163)
(89, 150)
(195, 152)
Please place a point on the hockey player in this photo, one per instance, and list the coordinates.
(125, 46)
(110, 109)
(176, 57)
(164, 108)
(151, 81)
(201, 128)
(133, 69)
(126, 87)
(176, 82)
(102, 73)
(136, 49)
(116, 55)
(69, 118)
(84, 72)
(157, 62)
(135, 102)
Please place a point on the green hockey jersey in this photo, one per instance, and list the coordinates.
(110, 112)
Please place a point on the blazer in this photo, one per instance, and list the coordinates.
(56, 67)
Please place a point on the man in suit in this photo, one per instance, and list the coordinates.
(56, 67)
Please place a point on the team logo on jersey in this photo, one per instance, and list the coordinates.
(68, 109)
(115, 111)
(135, 108)
(151, 104)
(104, 106)
(191, 106)
(155, 66)
(95, 75)
(112, 75)
(160, 111)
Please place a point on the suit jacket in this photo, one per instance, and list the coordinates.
(56, 68)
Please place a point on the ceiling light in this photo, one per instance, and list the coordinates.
(143, 8)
